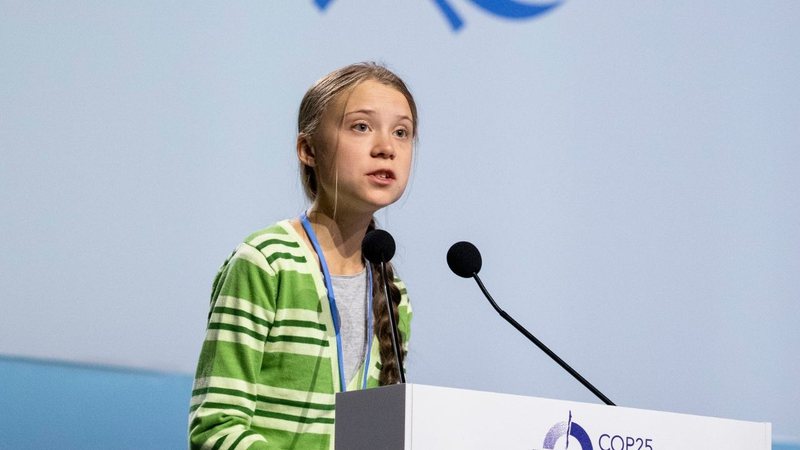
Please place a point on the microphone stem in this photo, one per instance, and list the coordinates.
(541, 345)
(395, 335)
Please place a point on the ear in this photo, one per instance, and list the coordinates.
(305, 151)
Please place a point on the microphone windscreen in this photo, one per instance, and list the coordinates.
(464, 259)
(378, 246)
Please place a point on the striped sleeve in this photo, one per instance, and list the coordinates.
(225, 386)
(404, 314)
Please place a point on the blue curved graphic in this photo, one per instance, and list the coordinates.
(512, 9)
(508, 9)
(567, 429)
(322, 4)
(450, 14)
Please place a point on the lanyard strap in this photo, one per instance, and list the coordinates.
(326, 276)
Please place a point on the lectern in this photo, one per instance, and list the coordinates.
(419, 417)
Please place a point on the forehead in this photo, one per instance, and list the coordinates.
(371, 95)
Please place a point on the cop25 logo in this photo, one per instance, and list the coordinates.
(509, 9)
(570, 430)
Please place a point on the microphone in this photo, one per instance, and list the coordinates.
(378, 247)
(465, 261)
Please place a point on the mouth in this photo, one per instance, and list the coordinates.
(382, 174)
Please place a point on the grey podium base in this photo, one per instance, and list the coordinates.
(371, 419)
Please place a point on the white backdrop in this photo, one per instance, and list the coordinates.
(629, 170)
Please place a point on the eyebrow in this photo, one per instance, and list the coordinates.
(372, 112)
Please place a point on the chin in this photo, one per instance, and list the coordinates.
(378, 204)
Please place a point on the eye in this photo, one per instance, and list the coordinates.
(361, 127)
(401, 133)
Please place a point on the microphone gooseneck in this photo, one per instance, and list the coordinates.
(378, 248)
(464, 260)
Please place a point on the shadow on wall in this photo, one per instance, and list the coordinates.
(69, 406)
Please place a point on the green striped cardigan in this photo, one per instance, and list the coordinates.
(268, 369)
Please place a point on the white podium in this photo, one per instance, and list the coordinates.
(418, 417)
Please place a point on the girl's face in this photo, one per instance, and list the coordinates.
(364, 148)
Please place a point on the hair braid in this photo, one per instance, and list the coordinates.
(383, 327)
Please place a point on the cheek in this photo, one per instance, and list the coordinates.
(403, 177)
(406, 164)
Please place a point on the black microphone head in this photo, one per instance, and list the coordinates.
(378, 246)
(464, 259)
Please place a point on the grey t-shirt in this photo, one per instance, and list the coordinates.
(351, 301)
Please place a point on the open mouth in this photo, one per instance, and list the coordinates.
(382, 174)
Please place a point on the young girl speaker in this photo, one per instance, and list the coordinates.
(297, 314)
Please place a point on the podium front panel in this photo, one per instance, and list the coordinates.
(418, 417)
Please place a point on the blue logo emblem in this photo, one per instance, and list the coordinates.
(508, 9)
(572, 431)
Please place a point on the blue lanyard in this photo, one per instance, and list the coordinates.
(326, 275)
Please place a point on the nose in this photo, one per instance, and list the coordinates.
(383, 147)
